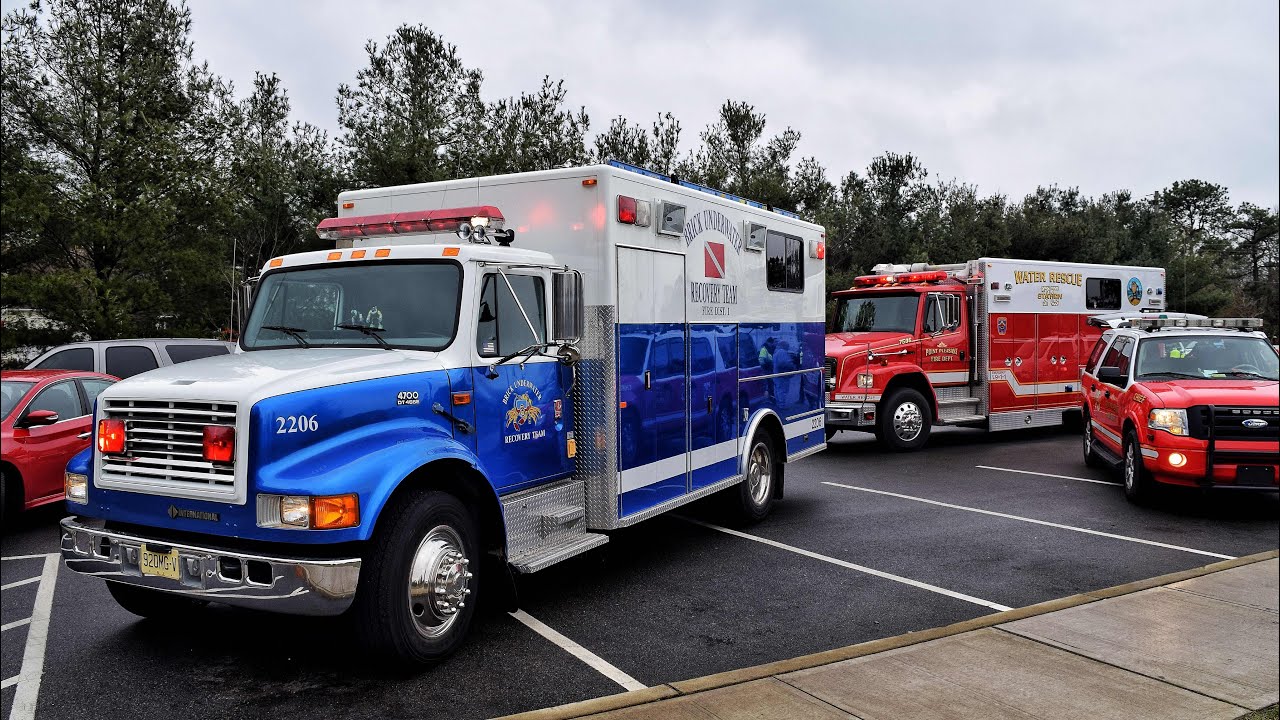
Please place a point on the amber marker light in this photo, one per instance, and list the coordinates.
(334, 256)
(276, 262)
(589, 182)
(335, 512)
(357, 254)
(461, 398)
(382, 252)
(348, 205)
(450, 252)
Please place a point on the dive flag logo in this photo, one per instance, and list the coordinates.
(713, 253)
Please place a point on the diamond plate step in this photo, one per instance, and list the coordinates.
(545, 556)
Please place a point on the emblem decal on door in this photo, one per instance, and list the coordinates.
(1002, 326)
(713, 260)
(523, 414)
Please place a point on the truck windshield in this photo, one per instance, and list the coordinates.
(886, 313)
(1176, 357)
(404, 305)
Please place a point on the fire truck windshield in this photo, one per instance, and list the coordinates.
(407, 305)
(885, 313)
(1174, 357)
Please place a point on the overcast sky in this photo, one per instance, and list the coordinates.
(1099, 95)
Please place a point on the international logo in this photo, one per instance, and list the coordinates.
(176, 512)
(713, 259)
(1002, 326)
(523, 416)
(1254, 424)
(1134, 291)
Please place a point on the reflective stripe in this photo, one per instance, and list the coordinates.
(1148, 452)
(948, 377)
(1114, 437)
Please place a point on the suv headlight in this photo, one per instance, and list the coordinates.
(1173, 422)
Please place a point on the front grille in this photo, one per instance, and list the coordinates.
(164, 448)
(829, 373)
(1233, 423)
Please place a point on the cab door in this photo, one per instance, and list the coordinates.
(522, 415)
(1107, 396)
(944, 341)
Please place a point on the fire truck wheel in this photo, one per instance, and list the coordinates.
(1137, 481)
(905, 422)
(1090, 454)
(418, 586)
(148, 603)
(756, 491)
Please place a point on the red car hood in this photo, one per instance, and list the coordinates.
(1214, 391)
(848, 343)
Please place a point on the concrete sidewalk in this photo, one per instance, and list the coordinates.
(1204, 643)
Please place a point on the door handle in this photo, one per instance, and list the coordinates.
(648, 381)
(708, 404)
(1094, 387)
(85, 435)
(1107, 394)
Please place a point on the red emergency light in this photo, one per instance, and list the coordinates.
(419, 221)
(219, 443)
(901, 278)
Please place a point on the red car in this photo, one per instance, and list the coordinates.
(47, 418)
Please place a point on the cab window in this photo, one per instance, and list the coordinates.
(73, 359)
(129, 360)
(1113, 357)
(502, 328)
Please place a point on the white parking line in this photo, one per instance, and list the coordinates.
(37, 556)
(853, 566)
(1072, 528)
(20, 583)
(598, 663)
(1051, 475)
(14, 624)
(28, 678)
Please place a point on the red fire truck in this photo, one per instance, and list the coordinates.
(992, 342)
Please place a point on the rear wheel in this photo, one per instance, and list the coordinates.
(418, 587)
(148, 603)
(754, 496)
(1137, 481)
(904, 421)
(1091, 457)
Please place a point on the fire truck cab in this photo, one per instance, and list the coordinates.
(992, 342)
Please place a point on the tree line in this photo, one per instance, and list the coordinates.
(139, 188)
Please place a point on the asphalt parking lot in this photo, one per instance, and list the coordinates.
(866, 545)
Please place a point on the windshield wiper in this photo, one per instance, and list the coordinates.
(370, 331)
(293, 332)
(1246, 373)
(1173, 375)
(527, 352)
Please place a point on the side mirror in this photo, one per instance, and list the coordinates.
(1112, 375)
(568, 314)
(38, 418)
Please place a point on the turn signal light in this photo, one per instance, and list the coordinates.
(219, 443)
(336, 511)
(111, 437)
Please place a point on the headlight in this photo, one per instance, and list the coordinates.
(77, 488)
(865, 380)
(1173, 422)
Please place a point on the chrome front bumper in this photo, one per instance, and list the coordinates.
(286, 585)
(850, 415)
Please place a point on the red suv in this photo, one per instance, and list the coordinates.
(47, 418)
(1192, 402)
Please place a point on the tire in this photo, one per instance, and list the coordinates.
(11, 497)
(904, 421)
(420, 580)
(1137, 481)
(754, 496)
(154, 604)
(1091, 457)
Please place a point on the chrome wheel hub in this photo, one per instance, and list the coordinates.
(438, 581)
(759, 474)
(1130, 469)
(1088, 438)
(908, 421)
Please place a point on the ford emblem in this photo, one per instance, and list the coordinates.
(1254, 423)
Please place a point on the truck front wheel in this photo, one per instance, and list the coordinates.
(904, 421)
(418, 584)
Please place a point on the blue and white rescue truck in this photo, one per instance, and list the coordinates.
(484, 378)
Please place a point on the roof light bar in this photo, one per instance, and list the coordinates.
(928, 276)
(448, 220)
(1225, 323)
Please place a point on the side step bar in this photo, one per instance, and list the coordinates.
(546, 525)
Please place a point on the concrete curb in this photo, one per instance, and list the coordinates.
(805, 662)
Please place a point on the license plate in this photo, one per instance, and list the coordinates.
(1255, 475)
(160, 564)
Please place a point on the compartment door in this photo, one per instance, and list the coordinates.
(653, 405)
